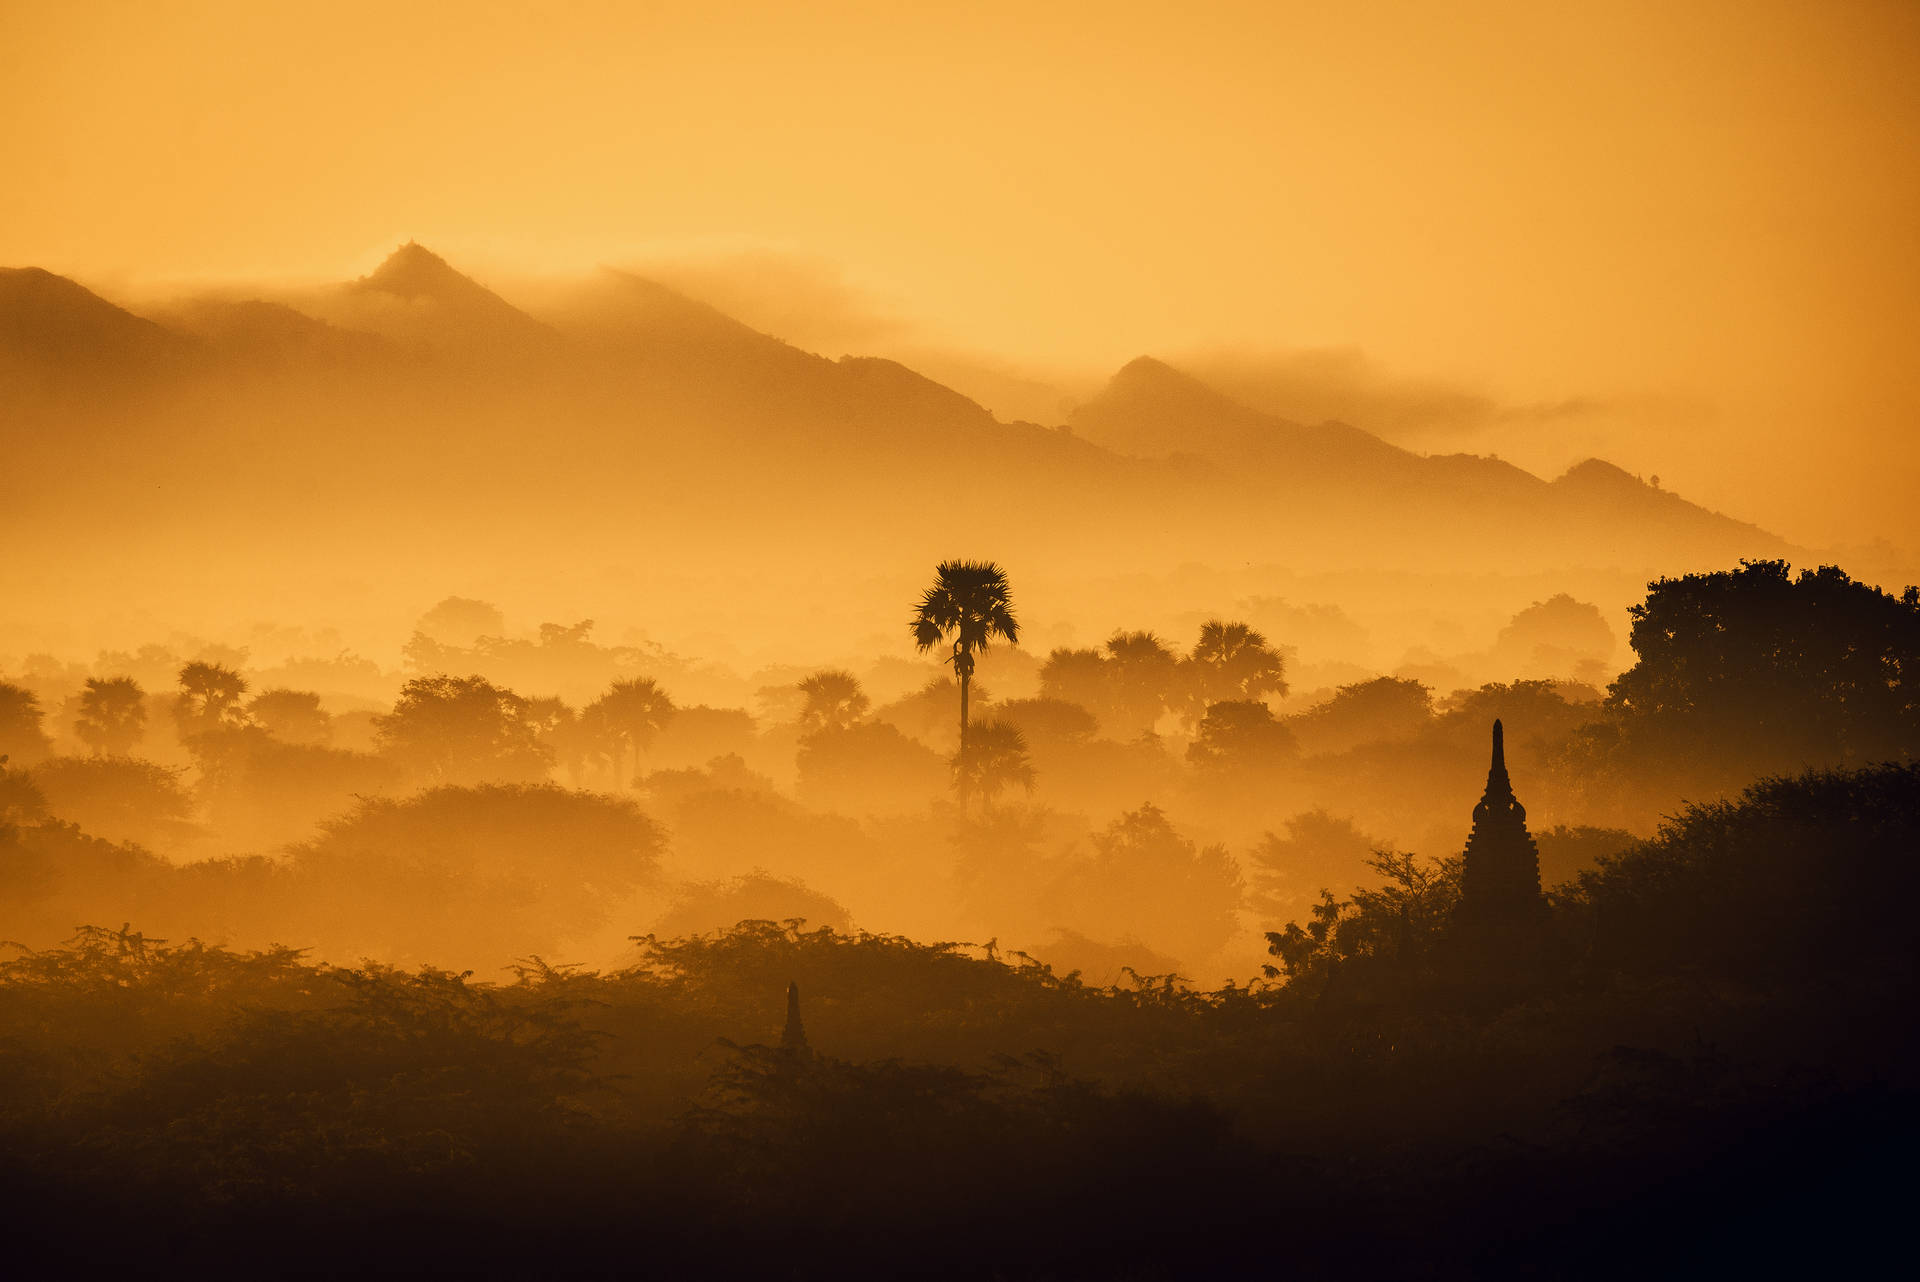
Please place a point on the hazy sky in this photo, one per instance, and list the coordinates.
(1701, 214)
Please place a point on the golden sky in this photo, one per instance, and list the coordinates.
(1703, 214)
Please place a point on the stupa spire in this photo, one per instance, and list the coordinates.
(793, 1037)
(1500, 879)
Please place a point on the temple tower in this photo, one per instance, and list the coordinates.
(793, 1038)
(1500, 879)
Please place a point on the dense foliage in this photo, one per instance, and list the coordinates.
(1372, 1118)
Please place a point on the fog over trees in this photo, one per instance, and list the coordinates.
(1256, 892)
(979, 921)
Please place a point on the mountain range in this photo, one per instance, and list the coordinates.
(621, 415)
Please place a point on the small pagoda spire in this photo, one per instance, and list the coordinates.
(793, 1038)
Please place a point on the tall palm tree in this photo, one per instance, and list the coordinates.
(1231, 662)
(1140, 672)
(631, 711)
(834, 701)
(971, 603)
(20, 732)
(209, 698)
(113, 715)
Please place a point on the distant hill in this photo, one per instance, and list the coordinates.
(55, 334)
(1149, 410)
(252, 330)
(415, 297)
(676, 344)
(415, 404)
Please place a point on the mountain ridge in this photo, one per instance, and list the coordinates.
(624, 367)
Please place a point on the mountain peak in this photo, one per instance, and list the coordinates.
(414, 271)
(1149, 373)
(1597, 473)
(1145, 367)
(1146, 382)
(440, 306)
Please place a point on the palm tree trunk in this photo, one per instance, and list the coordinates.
(966, 679)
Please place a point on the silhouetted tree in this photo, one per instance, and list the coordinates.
(259, 792)
(970, 603)
(518, 865)
(632, 711)
(834, 701)
(21, 737)
(1141, 675)
(461, 621)
(994, 760)
(291, 716)
(462, 730)
(755, 896)
(559, 729)
(21, 802)
(868, 766)
(1384, 710)
(1755, 667)
(698, 734)
(1050, 721)
(1559, 637)
(561, 657)
(209, 699)
(1541, 706)
(1076, 676)
(1241, 735)
(1801, 877)
(1316, 849)
(117, 797)
(927, 713)
(1231, 662)
(1385, 937)
(1145, 881)
(113, 715)
(1566, 850)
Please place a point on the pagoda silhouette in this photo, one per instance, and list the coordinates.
(1500, 902)
(793, 1037)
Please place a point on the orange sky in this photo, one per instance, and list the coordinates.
(1701, 214)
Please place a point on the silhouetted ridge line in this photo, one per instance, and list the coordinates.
(414, 271)
(51, 318)
(415, 275)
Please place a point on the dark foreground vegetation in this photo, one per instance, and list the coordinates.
(1708, 1063)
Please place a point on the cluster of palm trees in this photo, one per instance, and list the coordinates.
(617, 727)
(112, 712)
(1219, 690)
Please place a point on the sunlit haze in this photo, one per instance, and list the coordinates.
(900, 640)
(1679, 237)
